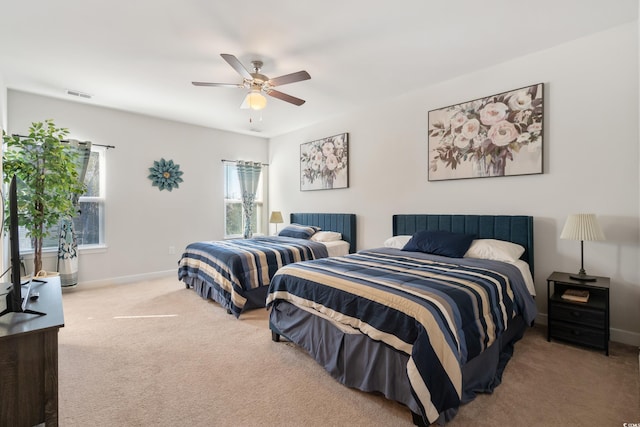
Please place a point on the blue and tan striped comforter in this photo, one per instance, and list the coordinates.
(232, 267)
(440, 311)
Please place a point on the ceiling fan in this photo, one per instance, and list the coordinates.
(258, 83)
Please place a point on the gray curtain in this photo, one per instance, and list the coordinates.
(68, 243)
(248, 175)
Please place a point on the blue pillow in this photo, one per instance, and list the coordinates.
(298, 231)
(445, 243)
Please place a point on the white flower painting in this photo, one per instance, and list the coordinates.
(499, 135)
(324, 163)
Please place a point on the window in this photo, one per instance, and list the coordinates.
(89, 225)
(233, 217)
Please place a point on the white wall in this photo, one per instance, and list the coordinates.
(141, 221)
(3, 126)
(590, 164)
(3, 105)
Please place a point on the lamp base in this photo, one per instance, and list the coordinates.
(583, 277)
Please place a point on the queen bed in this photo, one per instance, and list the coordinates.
(429, 326)
(236, 273)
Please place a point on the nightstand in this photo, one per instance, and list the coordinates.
(582, 323)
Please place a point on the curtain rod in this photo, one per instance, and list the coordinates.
(66, 140)
(236, 161)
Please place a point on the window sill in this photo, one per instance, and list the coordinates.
(93, 249)
(86, 249)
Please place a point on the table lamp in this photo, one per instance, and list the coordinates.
(276, 218)
(582, 227)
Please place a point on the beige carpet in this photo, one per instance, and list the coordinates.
(121, 364)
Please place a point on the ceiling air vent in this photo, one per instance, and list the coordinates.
(78, 93)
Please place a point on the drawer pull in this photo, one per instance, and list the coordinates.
(577, 333)
(575, 313)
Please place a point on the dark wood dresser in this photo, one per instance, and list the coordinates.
(29, 359)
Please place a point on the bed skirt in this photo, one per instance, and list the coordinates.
(256, 298)
(359, 362)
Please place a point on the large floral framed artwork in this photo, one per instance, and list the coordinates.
(500, 135)
(324, 163)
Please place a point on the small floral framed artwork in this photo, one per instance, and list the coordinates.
(324, 163)
(500, 135)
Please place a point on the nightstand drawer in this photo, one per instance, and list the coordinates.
(578, 334)
(575, 313)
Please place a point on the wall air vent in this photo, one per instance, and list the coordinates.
(78, 93)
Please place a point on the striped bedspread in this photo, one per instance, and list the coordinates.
(232, 267)
(439, 311)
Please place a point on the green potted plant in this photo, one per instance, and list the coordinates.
(48, 171)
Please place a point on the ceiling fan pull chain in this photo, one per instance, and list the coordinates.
(251, 116)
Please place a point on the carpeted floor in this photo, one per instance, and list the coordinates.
(155, 353)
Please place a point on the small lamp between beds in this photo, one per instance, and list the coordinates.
(276, 218)
(582, 227)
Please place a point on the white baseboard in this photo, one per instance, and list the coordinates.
(625, 337)
(617, 335)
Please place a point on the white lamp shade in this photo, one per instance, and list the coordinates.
(276, 217)
(582, 227)
(254, 100)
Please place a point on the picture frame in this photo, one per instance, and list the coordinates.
(498, 135)
(324, 163)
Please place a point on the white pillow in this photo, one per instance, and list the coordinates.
(497, 250)
(397, 242)
(326, 236)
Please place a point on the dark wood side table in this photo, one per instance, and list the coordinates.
(29, 360)
(582, 323)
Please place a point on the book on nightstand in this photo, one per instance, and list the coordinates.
(576, 295)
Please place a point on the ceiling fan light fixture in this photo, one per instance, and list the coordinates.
(255, 100)
(258, 84)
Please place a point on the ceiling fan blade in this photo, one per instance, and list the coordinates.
(217, 84)
(285, 97)
(237, 65)
(289, 78)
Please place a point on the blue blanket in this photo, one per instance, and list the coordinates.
(233, 267)
(230, 268)
(440, 311)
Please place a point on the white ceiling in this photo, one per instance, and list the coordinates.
(141, 55)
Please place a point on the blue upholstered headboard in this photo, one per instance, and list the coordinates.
(512, 228)
(342, 223)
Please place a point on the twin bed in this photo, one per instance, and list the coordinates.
(236, 273)
(428, 330)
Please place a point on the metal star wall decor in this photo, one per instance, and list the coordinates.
(165, 174)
